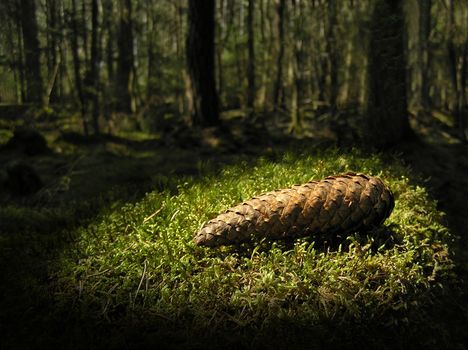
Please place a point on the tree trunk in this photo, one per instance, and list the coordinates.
(125, 60)
(295, 126)
(94, 64)
(462, 103)
(34, 90)
(181, 101)
(84, 31)
(52, 29)
(107, 32)
(387, 101)
(151, 88)
(77, 67)
(348, 62)
(424, 53)
(296, 68)
(280, 5)
(332, 52)
(463, 107)
(251, 60)
(203, 99)
(453, 68)
(17, 59)
(62, 73)
(320, 65)
(108, 10)
(265, 54)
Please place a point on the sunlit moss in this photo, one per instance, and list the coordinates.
(141, 257)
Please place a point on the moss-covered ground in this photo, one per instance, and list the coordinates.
(96, 266)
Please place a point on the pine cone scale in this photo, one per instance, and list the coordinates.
(338, 203)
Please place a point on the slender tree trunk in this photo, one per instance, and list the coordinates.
(251, 60)
(332, 51)
(240, 58)
(31, 52)
(15, 60)
(280, 5)
(320, 65)
(453, 67)
(14, 68)
(125, 60)
(181, 101)
(203, 100)
(108, 56)
(61, 55)
(297, 63)
(150, 86)
(463, 107)
(387, 104)
(226, 23)
(265, 54)
(219, 47)
(110, 43)
(348, 73)
(77, 67)
(94, 64)
(50, 35)
(424, 53)
(291, 77)
(84, 33)
(21, 68)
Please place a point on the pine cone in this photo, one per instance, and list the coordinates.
(342, 203)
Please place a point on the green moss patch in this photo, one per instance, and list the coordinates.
(139, 261)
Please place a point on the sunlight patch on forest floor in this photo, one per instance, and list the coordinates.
(92, 221)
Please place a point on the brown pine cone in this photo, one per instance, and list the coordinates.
(337, 204)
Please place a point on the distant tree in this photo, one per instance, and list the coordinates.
(332, 52)
(94, 71)
(125, 61)
(387, 102)
(424, 52)
(457, 63)
(251, 60)
(52, 41)
(297, 59)
(34, 92)
(203, 97)
(77, 65)
(280, 7)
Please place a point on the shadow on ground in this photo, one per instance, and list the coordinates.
(124, 170)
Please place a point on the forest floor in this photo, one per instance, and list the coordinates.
(84, 177)
(442, 161)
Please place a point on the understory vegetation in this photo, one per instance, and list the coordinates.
(136, 264)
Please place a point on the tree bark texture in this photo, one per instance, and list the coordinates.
(94, 64)
(424, 52)
(203, 99)
(125, 59)
(332, 51)
(455, 60)
(251, 54)
(52, 45)
(280, 7)
(32, 52)
(77, 66)
(387, 101)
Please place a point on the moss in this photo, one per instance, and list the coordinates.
(139, 260)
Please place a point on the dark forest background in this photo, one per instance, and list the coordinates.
(338, 62)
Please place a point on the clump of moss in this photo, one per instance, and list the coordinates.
(140, 259)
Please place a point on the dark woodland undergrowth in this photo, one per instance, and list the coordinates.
(102, 256)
